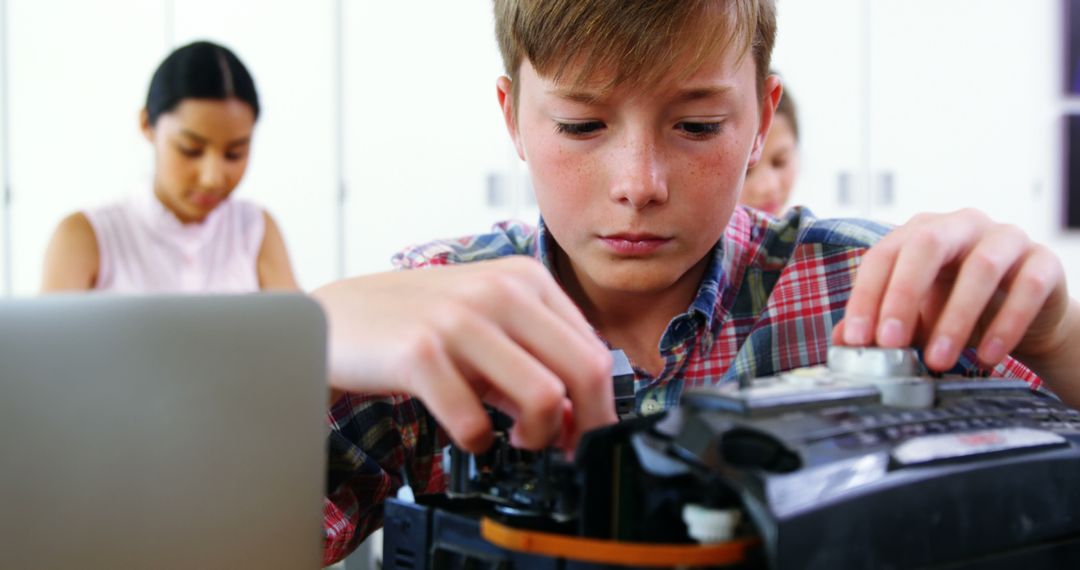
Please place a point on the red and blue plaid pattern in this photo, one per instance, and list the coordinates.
(767, 303)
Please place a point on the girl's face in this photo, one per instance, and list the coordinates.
(201, 152)
(769, 183)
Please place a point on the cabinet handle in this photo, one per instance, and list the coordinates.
(5, 253)
(496, 190)
(340, 226)
(885, 188)
(843, 188)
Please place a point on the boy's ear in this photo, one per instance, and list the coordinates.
(506, 104)
(145, 126)
(773, 91)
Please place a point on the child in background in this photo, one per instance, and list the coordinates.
(188, 235)
(638, 122)
(769, 182)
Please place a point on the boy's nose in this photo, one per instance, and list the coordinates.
(640, 178)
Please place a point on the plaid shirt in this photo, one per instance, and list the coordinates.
(767, 303)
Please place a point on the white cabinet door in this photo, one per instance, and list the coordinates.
(960, 91)
(424, 136)
(289, 47)
(77, 79)
(819, 54)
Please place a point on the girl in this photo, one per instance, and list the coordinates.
(769, 183)
(188, 235)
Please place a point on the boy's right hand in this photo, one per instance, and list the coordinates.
(501, 332)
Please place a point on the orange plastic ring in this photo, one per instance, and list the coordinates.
(612, 551)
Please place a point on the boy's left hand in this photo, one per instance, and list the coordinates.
(946, 282)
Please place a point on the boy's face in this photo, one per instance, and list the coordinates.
(636, 186)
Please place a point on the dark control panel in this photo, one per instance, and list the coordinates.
(863, 463)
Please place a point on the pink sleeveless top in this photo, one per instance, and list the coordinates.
(143, 248)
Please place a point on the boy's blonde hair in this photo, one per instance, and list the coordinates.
(638, 41)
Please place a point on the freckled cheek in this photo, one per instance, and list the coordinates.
(710, 186)
(565, 186)
(564, 174)
(716, 176)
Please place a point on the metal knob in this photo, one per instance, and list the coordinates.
(873, 362)
(895, 372)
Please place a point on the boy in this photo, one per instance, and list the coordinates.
(638, 121)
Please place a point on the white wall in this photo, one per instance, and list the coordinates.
(423, 129)
(824, 72)
(929, 90)
(931, 105)
(74, 94)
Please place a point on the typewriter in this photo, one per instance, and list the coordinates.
(864, 463)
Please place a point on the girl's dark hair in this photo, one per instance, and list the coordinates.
(201, 70)
(788, 109)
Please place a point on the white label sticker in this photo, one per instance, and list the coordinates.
(929, 448)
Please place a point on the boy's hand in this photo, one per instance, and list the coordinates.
(949, 281)
(501, 332)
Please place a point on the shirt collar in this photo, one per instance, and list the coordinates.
(712, 283)
(545, 246)
(164, 223)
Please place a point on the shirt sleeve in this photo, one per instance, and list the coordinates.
(376, 444)
(797, 288)
(1010, 368)
(504, 239)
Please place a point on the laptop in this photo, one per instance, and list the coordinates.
(162, 432)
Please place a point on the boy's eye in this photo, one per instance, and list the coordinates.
(579, 129)
(699, 130)
(234, 156)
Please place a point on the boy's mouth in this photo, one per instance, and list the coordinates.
(633, 244)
